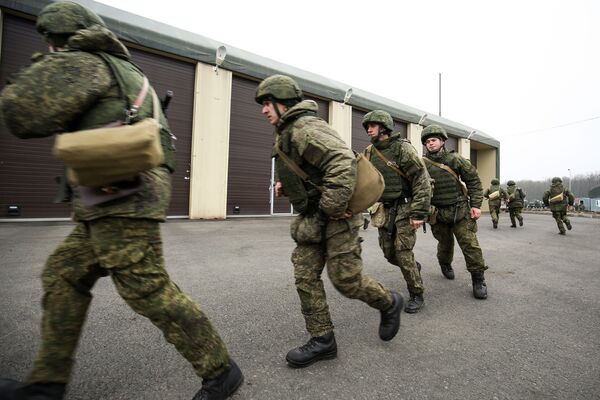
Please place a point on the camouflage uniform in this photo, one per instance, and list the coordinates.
(515, 199)
(559, 209)
(319, 151)
(411, 195)
(453, 207)
(495, 204)
(77, 89)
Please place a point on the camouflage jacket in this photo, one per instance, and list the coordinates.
(61, 90)
(555, 190)
(516, 196)
(464, 169)
(321, 153)
(492, 189)
(415, 186)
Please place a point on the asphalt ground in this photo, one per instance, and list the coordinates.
(537, 336)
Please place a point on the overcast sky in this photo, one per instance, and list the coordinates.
(525, 72)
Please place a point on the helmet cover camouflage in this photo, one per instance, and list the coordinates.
(66, 18)
(433, 130)
(383, 118)
(495, 181)
(511, 183)
(556, 179)
(279, 87)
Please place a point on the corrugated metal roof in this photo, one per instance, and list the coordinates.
(159, 36)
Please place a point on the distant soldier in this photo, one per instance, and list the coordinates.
(515, 200)
(325, 231)
(88, 81)
(405, 200)
(457, 207)
(557, 198)
(495, 194)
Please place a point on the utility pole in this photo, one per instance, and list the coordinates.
(440, 94)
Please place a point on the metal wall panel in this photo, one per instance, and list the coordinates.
(178, 76)
(27, 167)
(250, 145)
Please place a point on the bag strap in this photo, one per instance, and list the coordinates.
(295, 168)
(451, 172)
(392, 164)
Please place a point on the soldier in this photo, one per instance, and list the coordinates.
(84, 83)
(405, 199)
(457, 208)
(325, 232)
(515, 199)
(557, 198)
(495, 194)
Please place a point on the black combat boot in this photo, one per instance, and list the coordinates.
(562, 233)
(513, 226)
(415, 303)
(317, 348)
(521, 222)
(390, 318)
(13, 390)
(479, 286)
(447, 271)
(222, 386)
(568, 223)
(495, 223)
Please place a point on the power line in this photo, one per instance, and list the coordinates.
(553, 127)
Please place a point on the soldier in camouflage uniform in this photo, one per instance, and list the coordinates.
(457, 208)
(325, 232)
(82, 84)
(498, 194)
(515, 199)
(558, 198)
(406, 199)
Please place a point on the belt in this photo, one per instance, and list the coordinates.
(400, 200)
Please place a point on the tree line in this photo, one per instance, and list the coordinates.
(580, 185)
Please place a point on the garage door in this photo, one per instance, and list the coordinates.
(250, 146)
(27, 167)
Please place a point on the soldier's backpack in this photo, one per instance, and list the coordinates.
(494, 195)
(369, 181)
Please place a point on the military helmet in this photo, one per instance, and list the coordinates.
(556, 179)
(495, 181)
(380, 117)
(278, 87)
(433, 130)
(66, 18)
(511, 183)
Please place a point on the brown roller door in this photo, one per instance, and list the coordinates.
(178, 76)
(27, 167)
(250, 144)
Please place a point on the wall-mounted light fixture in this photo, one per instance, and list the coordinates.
(219, 58)
(348, 95)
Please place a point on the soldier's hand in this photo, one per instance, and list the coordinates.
(475, 213)
(278, 189)
(416, 223)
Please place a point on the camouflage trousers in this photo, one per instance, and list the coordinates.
(561, 219)
(398, 250)
(465, 231)
(515, 212)
(495, 213)
(337, 245)
(130, 251)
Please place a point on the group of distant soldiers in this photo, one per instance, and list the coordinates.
(87, 81)
(557, 198)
